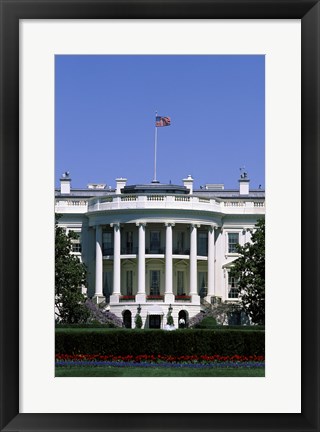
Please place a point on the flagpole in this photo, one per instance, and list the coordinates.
(155, 151)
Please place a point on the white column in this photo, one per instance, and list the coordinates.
(210, 292)
(169, 297)
(141, 295)
(99, 265)
(116, 263)
(195, 298)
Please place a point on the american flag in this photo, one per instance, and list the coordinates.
(163, 121)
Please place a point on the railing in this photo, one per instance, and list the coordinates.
(129, 198)
(178, 202)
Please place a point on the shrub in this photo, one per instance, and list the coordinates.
(170, 321)
(138, 321)
(179, 342)
(206, 323)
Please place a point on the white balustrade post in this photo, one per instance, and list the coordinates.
(169, 297)
(116, 263)
(141, 295)
(98, 295)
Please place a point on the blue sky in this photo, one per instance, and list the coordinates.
(105, 118)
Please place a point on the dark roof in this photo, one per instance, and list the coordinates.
(155, 188)
(159, 188)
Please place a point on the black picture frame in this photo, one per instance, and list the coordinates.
(11, 12)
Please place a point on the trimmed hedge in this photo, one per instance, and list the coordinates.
(84, 326)
(178, 342)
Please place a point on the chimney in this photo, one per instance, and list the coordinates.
(244, 183)
(188, 183)
(121, 182)
(65, 183)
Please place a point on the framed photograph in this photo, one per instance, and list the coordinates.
(36, 39)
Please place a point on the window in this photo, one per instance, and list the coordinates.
(155, 242)
(75, 241)
(129, 278)
(202, 243)
(107, 283)
(107, 240)
(129, 242)
(233, 287)
(202, 283)
(233, 241)
(180, 242)
(154, 282)
(180, 283)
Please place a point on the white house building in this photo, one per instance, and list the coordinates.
(157, 246)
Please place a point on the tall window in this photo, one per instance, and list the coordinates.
(233, 241)
(155, 241)
(129, 282)
(107, 283)
(180, 283)
(202, 243)
(180, 242)
(233, 287)
(129, 242)
(107, 239)
(202, 283)
(76, 242)
(154, 282)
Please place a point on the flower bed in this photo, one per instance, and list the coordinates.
(201, 361)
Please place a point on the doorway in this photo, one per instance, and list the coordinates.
(127, 321)
(155, 321)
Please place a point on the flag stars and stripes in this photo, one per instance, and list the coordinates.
(162, 121)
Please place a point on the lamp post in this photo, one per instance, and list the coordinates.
(139, 309)
(170, 308)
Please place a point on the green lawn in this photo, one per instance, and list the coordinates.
(155, 372)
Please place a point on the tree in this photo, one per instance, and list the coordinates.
(249, 268)
(70, 275)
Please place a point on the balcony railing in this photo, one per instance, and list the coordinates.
(145, 201)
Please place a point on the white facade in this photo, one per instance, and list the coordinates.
(154, 247)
